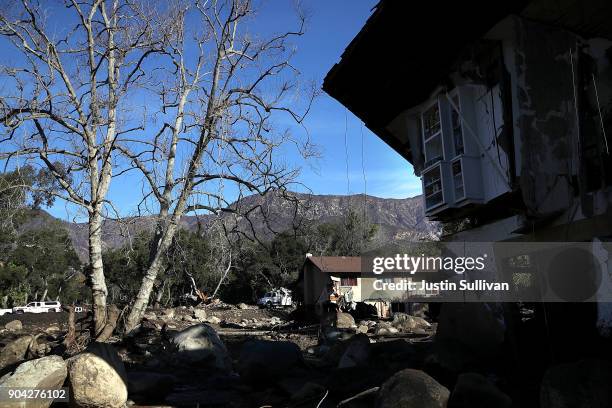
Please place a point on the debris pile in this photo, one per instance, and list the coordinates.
(220, 356)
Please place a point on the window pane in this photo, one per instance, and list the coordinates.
(348, 282)
(431, 121)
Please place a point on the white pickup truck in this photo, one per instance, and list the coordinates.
(39, 307)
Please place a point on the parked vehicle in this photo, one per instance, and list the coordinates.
(277, 297)
(5, 311)
(39, 307)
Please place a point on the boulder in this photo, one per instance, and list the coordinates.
(397, 354)
(200, 344)
(577, 385)
(243, 306)
(97, 378)
(385, 328)
(407, 323)
(362, 328)
(265, 361)
(213, 320)
(478, 326)
(475, 391)
(357, 352)
(412, 388)
(15, 351)
(469, 335)
(43, 373)
(345, 321)
(14, 325)
(199, 314)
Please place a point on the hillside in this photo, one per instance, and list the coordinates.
(397, 219)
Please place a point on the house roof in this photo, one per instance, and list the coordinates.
(407, 47)
(336, 264)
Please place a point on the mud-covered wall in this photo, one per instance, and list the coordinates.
(546, 115)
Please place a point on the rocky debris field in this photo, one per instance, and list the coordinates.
(242, 356)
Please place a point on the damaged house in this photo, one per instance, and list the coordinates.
(504, 109)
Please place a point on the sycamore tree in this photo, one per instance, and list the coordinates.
(68, 73)
(222, 96)
(189, 94)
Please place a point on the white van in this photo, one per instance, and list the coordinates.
(278, 297)
(39, 307)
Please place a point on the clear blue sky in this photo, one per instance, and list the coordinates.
(332, 25)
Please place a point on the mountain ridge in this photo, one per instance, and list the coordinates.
(398, 219)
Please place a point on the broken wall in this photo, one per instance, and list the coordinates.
(545, 76)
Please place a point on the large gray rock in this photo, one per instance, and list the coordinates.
(15, 351)
(97, 378)
(264, 361)
(345, 321)
(407, 323)
(14, 325)
(469, 335)
(478, 326)
(200, 344)
(475, 391)
(384, 329)
(410, 389)
(43, 373)
(585, 384)
(357, 352)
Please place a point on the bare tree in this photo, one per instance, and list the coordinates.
(216, 141)
(65, 100)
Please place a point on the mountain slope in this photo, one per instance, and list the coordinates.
(397, 219)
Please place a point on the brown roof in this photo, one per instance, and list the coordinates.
(336, 263)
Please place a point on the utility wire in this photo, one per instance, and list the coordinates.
(599, 110)
(365, 188)
(346, 154)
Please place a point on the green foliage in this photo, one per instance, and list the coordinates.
(42, 261)
(350, 237)
(13, 285)
(189, 255)
(260, 268)
(21, 190)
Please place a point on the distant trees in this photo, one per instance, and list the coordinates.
(39, 261)
(189, 259)
(349, 237)
(41, 264)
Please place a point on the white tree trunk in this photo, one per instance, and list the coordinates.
(96, 272)
(142, 298)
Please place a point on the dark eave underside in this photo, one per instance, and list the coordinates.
(406, 47)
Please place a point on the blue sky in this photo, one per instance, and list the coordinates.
(331, 26)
